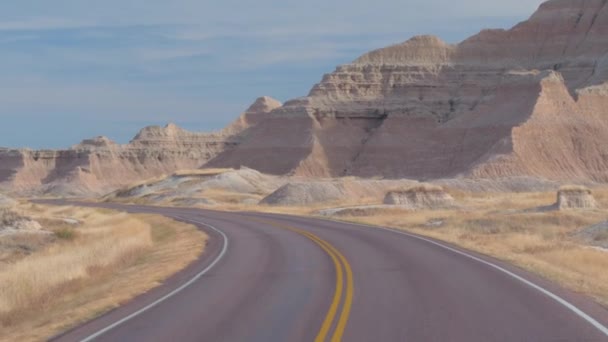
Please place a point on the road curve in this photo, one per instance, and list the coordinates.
(281, 278)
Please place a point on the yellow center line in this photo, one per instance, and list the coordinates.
(348, 300)
(331, 313)
(342, 266)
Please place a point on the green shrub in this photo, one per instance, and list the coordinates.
(65, 234)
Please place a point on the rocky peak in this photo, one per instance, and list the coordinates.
(425, 108)
(172, 128)
(152, 133)
(426, 77)
(559, 34)
(255, 114)
(419, 50)
(262, 105)
(568, 5)
(95, 143)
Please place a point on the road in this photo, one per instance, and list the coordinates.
(267, 278)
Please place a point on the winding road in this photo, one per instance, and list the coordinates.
(266, 278)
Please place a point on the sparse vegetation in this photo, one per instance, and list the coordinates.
(508, 227)
(515, 227)
(8, 217)
(65, 233)
(524, 228)
(88, 269)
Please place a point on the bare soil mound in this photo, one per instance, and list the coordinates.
(596, 235)
(425, 196)
(575, 197)
(340, 191)
(201, 188)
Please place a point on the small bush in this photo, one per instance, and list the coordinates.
(8, 217)
(65, 234)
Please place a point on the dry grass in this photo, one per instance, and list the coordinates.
(503, 226)
(17, 246)
(8, 217)
(106, 260)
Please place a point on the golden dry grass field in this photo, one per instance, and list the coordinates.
(87, 268)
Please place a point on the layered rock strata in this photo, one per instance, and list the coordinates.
(575, 197)
(525, 102)
(529, 101)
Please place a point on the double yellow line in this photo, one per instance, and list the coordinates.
(344, 286)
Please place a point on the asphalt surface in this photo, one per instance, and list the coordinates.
(279, 278)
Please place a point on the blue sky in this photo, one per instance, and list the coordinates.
(72, 69)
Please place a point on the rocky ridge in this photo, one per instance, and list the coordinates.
(525, 102)
(99, 165)
(529, 101)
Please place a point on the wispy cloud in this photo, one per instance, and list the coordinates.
(38, 24)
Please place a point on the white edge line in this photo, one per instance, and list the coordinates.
(172, 293)
(603, 329)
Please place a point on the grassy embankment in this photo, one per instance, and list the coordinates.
(87, 268)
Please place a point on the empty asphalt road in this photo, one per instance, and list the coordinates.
(267, 278)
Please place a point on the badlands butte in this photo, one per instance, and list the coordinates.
(531, 101)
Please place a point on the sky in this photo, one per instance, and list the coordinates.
(73, 69)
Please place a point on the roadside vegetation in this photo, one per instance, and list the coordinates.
(85, 262)
(515, 228)
(525, 229)
(533, 230)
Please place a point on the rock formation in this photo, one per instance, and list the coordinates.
(201, 187)
(420, 197)
(99, 165)
(345, 191)
(526, 102)
(575, 197)
(529, 101)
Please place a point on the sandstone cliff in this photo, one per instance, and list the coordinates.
(526, 101)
